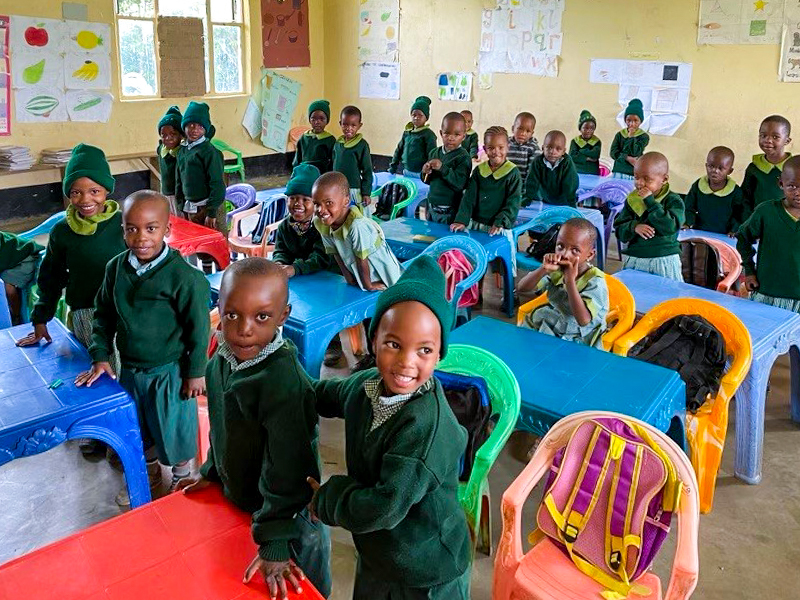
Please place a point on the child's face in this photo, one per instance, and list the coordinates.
(87, 196)
(587, 129)
(718, 167)
(772, 139)
(318, 121)
(790, 184)
(194, 131)
(301, 207)
(407, 346)
(649, 175)
(632, 122)
(251, 309)
(496, 148)
(452, 133)
(468, 118)
(523, 129)
(574, 242)
(350, 125)
(170, 136)
(331, 204)
(554, 148)
(418, 118)
(145, 224)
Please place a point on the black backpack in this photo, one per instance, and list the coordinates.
(701, 264)
(543, 242)
(391, 194)
(691, 346)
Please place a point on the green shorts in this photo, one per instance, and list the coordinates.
(24, 274)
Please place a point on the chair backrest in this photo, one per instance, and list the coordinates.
(241, 195)
(613, 191)
(45, 227)
(728, 255)
(472, 249)
(555, 215)
(294, 136)
(272, 211)
(224, 147)
(411, 191)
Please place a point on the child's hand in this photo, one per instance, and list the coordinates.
(348, 277)
(211, 222)
(751, 283)
(366, 199)
(39, 332)
(315, 488)
(495, 230)
(193, 387)
(87, 378)
(685, 226)
(631, 160)
(550, 263)
(731, 234)
(376, 286)
(457, 227)
(569, 265)
(645, 231)
(276, 574)
(434, 164)
(192, 484)
(289, 270)
(426, 168)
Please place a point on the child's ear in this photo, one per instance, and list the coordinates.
(285, 315)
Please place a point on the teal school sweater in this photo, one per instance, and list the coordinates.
(718, 212)
(760, 182)
(492, 198)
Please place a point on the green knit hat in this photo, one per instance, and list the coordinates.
(423, 103)
(88, 161)
(173, 118)
(322, 105)
(303, 177)
(198, 112)
(586, 116)
(424, 282)
(635, 108)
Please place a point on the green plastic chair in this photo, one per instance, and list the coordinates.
(412, 194)
(504, 395)
(238, 166)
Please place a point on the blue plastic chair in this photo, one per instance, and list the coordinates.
(242, 196)
(45, 227)
(30, 294)
(541, 223)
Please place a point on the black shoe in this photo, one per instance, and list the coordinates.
(89, 446)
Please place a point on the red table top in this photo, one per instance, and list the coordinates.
(185, 231)
(181, 546)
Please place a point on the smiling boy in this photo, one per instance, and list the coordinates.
(761, 177)
(447, 170)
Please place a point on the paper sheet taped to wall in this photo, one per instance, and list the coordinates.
(379, 80)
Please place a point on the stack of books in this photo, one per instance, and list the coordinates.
(56, 156)
(15, 158)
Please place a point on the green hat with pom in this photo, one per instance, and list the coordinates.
(322, 105)
(173, 118)
(586, 116)
(422, 103)
(303, 177)
(198, 112)
(635, 108)
(87, 161)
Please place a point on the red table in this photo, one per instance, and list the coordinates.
(190, 238)
(182, 546)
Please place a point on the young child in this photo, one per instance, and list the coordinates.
(776, 278)
(629, 143)
(315, 146)
(447, 171)
(199, 185)
(552, 177)
(417, 141)
(585, 147)
(404, 446)
(298, 245)
(356, 242)
(264, 446)
(577, 293)
(351, 156)
(714, 202)
(470, 143)
(18, 261)
(157, 306)
(523, 147)
(761, 177)
(650, 221)
(170, 135)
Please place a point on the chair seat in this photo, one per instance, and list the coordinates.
(546, 573)
(243, 247)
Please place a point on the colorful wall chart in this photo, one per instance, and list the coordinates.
(790, 52)
(279, 101)
(5, 78)
(455, 86)
(740, 21)
(378, 30)
(284, 33)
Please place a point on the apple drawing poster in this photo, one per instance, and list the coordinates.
(36, 34)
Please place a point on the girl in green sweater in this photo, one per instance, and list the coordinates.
(629, 143)
(315, 146)
(585, 148)
(170, 136)
(417, 141)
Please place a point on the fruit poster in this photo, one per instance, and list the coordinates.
(378, 30)
(284, 34)
(5, 81)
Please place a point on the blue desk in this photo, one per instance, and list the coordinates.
(586, 183)
(322, 306)
(383, 177)
(5, 311)
(267, 194)
(35, 418)
(774, 331)
(558, 378)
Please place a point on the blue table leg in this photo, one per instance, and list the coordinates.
(750, 406)
(794, 361)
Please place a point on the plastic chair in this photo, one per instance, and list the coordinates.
(545, 572)
(238, 165)
(31, 294)
(731, 262)
(541, 223)
(407, 183)
(705, 431)
(505, 397)
(295, 133)
(242, 196)
(621, 310)
(269, 214)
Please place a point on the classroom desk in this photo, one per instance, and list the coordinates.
(774, 331)
(37, 414)
(191, 238)
(586, 182)
(181, 546)
(323, 304)
(262, 195)
(558, 378)
(382, 177)
(5, 311)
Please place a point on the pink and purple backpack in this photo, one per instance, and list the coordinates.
(456, 267)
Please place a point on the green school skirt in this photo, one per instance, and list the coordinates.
(371, 586)
(787, 303)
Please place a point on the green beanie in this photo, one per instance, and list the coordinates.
(424, 282)
(198, 112)
(322, 105)
(586, 116)
(635, 108)
(303, 177)
(88, 161)
(171, 117)
(423, 103)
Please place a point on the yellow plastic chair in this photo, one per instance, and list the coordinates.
(705, 430)
(621, 310)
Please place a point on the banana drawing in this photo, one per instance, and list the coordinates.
(87, 72)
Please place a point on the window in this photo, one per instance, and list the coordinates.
(137, 36)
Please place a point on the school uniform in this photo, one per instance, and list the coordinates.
(552, 184)
(760, 182)
(300, 245)
(522, 156)
(353, 159)
(718, 212)
(448, 183)
(413, 150)
(492, 198)
(625, 145)
(586, 154)
(199, 177)
(18, 260)
(470, 143)
(315, 149)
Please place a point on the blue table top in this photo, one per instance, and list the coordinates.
(589, 182)
(685, 234)
(266, 194)
(403, 229)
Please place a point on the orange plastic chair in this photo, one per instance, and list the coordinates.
(545, 572)
(731, 262)
(621, 310)
(242, 243)
(705, 431)
(295, 133)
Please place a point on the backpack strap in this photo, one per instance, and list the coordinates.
(669, 337)
(620, 507)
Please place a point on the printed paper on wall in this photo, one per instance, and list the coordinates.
(89, 105)
(37, 68)
(40, 105)
(379, 80)
(378, 30)
(83, 36)
(86, 71)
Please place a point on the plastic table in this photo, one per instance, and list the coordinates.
(267, 194)
(5, 311)
(558, 378)
(586, 182)
(191, 238)
(323, 304)
(37, 413)
(774, 331)
(181, 546)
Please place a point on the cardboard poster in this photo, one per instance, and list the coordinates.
(284, 34)
(180, 50)
(378, 30)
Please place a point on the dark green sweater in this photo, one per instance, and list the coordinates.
(470, 143)
(78, 263)
(624, 146)
(492, 198)
(720, 212)
(552, 186)
(199, 175)
(316, 150)
(760, 183)
(664, 213)
(413, 150)
(263, 443)
(13, 250)
(305, 253)
(448, 183)
(158, 318)
(167, 166)
(778, 268)
(399, 499)
(354, 160)
(586, 154)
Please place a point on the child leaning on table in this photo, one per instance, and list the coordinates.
(264, 445)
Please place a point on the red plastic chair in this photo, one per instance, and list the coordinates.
(731, 263)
